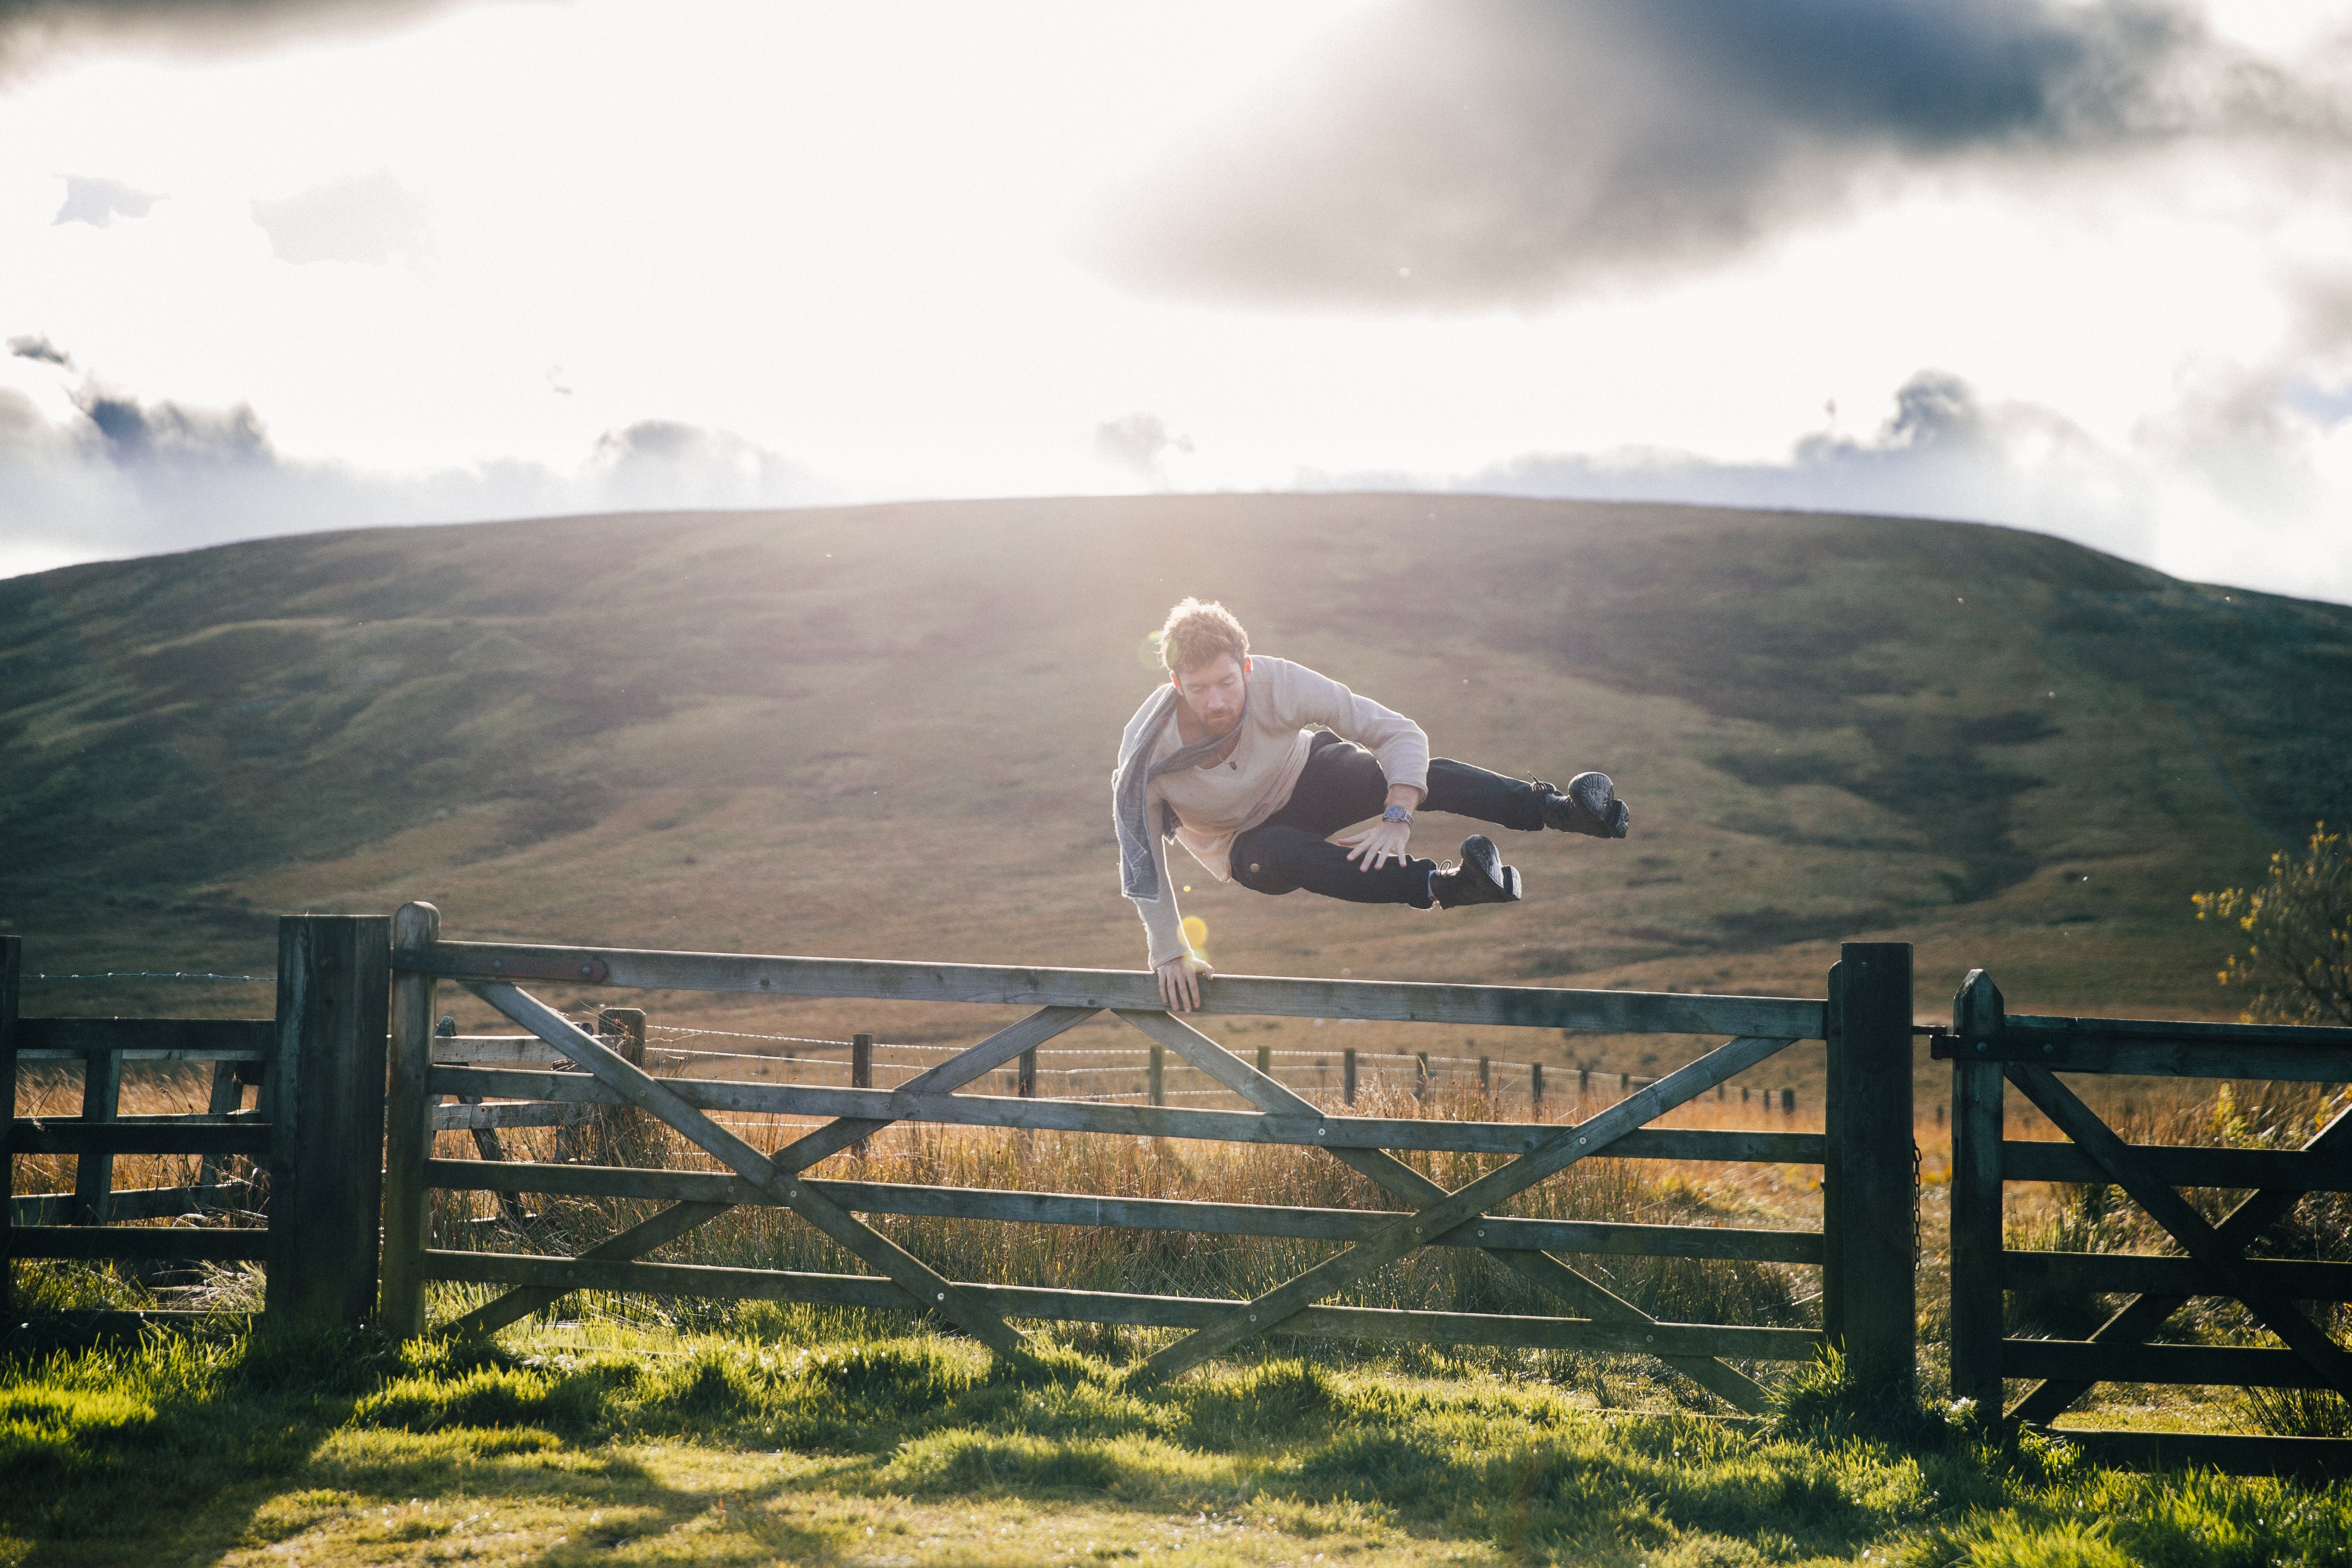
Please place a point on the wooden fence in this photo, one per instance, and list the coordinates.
(1992, 1051)
(318, 1069)
(1866, 1249)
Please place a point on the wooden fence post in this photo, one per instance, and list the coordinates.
(1028, 1078)
(408, 1130)
(1265, 1061)
(1977, 1094)
(861, 1075)
(1155, 1078)
(101, 1102)
(1534, 1086)
(1870, 1242)
(12, 967)
(1347, 1076)
(327, 1118)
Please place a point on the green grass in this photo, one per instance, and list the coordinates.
(794, 1437)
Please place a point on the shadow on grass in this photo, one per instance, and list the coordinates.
(264, 1439)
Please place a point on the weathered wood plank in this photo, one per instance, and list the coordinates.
(1564, 1148)
(148, 1039)
(2318, 1460)
(1132, 1214)
(566, 1274)
(510, 1113)
(135, 1202)
(408, 1113)
(2040, 1161)
(101, 1102)
(2126, 1273)
(141, 1135)
(1979, 1092)
(1612, 1012)
(326, 1097)
(478, 1050)
(2033, 1028)
(2182, 1058)
(1312, 1128)
(1870, 1287)
(653, 1095)
(153, 1243)
(2082, 1361)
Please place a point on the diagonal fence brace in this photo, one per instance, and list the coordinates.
(2140, 1319)
(1541, 1269)
(661, 1229)
(616, 1072)
(2224, 1261)
(1577, 1141)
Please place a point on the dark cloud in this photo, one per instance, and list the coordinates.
(1140, 443)
(99, 202)
(37, 347)
(1943, 451)
(168, 433)
(131, 476)
(1472, 152)
(372, 218)
(35, 32)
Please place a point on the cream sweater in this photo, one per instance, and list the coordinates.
(1216, 805)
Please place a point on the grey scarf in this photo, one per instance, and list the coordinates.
(1139, 877)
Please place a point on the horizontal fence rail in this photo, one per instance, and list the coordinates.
(1312, 1130)
(566, 1274)
(1608, 1011)
(1135, 1213)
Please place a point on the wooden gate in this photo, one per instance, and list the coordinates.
(1988, 1048)
(318, 1070)
(1866, 1247)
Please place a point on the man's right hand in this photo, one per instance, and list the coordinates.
(1180, 982)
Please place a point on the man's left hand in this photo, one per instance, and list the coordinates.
(1379, 844)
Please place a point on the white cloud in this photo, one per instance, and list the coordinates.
(372, 218)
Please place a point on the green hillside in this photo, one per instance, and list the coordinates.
(887, 732)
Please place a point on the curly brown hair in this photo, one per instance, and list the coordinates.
(1196, 633)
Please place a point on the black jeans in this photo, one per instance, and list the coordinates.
(1343, 784)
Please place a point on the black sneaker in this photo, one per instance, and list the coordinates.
(1480, 879)
(1588, 805)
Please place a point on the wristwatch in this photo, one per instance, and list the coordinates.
(1397, 814)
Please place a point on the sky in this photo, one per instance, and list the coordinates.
(2078, 266)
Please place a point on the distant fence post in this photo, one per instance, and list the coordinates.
(1156, 1075)
(1265, 1061)
(861, 1075)
(1028, 1078)
(1870, 1252)
(1347, 1076)
(1534, 1086)
(12, 966)
(408, 1130)
(1976, 1195)
(327, 1118)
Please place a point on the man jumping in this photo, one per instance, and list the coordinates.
(1222, 759)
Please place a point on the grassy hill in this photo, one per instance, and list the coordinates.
(887, 732)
